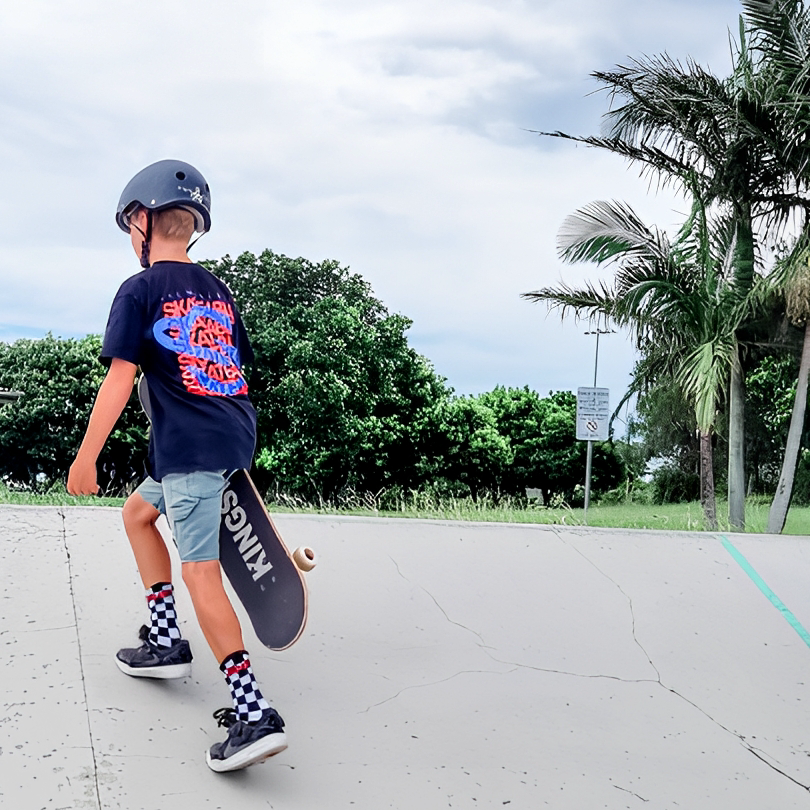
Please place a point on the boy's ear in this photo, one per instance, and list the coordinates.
(139, 218)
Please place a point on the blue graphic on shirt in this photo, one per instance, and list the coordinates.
(203, 341)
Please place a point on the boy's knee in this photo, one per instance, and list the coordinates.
(202, 575)
(137, 512)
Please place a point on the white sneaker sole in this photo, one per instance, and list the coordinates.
(259, 751)
(162, 673)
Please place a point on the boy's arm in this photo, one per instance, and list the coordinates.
(110, 402)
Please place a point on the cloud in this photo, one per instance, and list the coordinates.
(389, 135)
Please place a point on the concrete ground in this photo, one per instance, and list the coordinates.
(444, 665)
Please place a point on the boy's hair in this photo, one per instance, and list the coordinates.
(173, 223)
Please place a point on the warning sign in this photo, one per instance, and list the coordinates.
(593, 414)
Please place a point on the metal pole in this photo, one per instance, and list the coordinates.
(589, 457)
(588, 464)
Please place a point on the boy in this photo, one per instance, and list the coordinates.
(179, 324)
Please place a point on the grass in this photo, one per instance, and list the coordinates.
(670, 517)
(56, 496)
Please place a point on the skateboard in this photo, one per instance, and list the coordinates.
(267, 579)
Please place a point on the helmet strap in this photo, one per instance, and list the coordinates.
(147, 238)
(194, 242)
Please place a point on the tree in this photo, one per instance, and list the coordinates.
(520, 417)
(352, 406)
(780, 39)
(724, 141)
(771, 389)
(541, 434)
(794, 283)
(343, 402)
(667, 428)
(674, 298)
(470, 456)
(41, 432)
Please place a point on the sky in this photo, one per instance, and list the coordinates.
(395, 137)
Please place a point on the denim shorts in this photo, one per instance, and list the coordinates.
(192, 503)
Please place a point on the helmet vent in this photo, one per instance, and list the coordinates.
(180, 175)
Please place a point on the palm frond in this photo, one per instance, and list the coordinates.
(703, 375)
(778, 29)
(660, 101)
(778, 33)
(667, 170)
(603, 231)
(789, 281)
(594, 301)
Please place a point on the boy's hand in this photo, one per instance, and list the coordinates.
(82, 478)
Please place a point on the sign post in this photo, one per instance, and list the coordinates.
(593, 419)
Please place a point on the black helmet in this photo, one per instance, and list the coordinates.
(167, 184)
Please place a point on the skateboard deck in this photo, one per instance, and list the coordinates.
(261, 570)
(266, 577)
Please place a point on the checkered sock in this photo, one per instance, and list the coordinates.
(164, 630)
(247, 699)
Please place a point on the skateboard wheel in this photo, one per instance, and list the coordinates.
(304, 558)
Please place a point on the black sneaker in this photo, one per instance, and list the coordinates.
(247, 743)
(151, 661)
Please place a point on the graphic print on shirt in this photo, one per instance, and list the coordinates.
(201, 334)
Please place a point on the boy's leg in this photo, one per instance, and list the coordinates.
(163, 653)
(151, 554)
(214, 611)
(255, 730)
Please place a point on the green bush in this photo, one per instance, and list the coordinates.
(41, 432)
(636, 492)
(670, 484)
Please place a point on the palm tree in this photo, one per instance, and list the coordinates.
(780, 38)
(791, 281)
(723, 139)
(674, 298)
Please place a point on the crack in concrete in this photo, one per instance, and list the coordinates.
(81, 659)
(758, 753)
(433, 683)
(623, 593)
(46, 629)
(436, 602)
(625, 790)
(514, 664)
(593, 676)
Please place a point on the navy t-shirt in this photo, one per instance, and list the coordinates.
(178, 322)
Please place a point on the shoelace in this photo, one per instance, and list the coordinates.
(226, 717)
